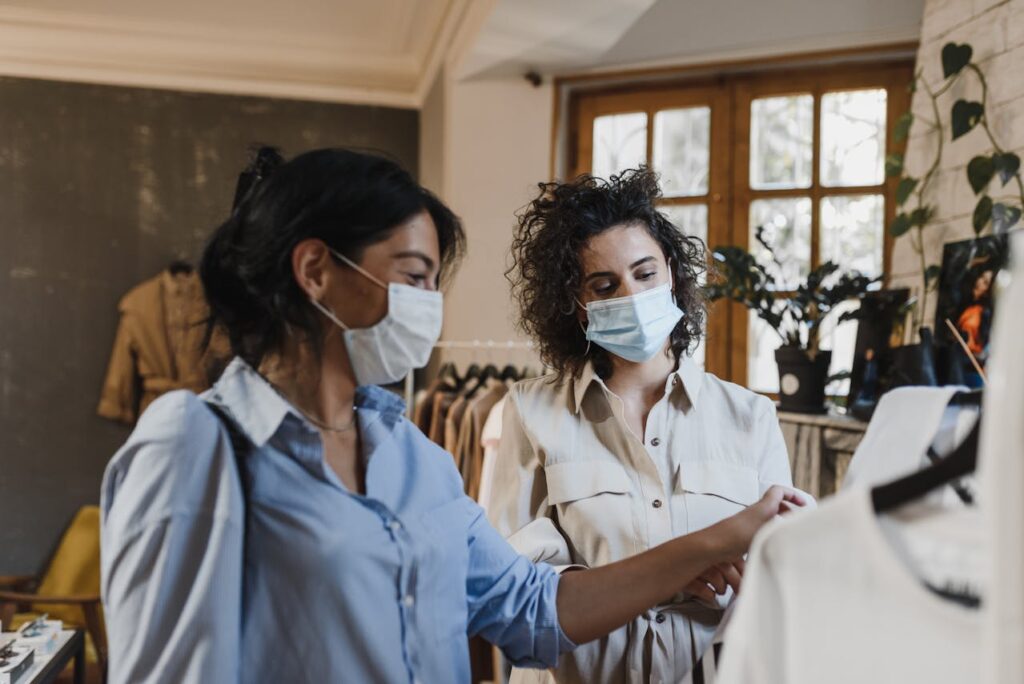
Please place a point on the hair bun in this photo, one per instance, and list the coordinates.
(264, 159)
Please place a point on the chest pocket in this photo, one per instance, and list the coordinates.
(578, 480)
(594, 506)
(710, 491)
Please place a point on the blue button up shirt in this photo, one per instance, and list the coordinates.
(327, 585)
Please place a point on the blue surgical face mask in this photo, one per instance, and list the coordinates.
(636, 327)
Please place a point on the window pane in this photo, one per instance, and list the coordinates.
(682, 150)
(762, 341)
(620, 143)
(692, 219)
(853, 232)
(781, 142)
(787, 228)
(853, 138)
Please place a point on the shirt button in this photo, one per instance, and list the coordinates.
(395, 525)
(409, 601)
(655, 442)
(660, 619)
(656, 503)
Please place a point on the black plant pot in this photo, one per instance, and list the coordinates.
(914, 364)
(802, 379)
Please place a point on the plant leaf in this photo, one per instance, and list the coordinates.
(965, 116)
(902, 128)
(979, 172)
(921, 216)
(1007, 164)
(894, 165)
(899, 225)
(904, 189)
(931, 273)
(982, 214)
(1004, 217)
(955, 58)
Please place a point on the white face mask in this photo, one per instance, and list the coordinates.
(635, 327)
(401, 342)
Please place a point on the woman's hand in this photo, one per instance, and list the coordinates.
(716, 581)
(733, 535)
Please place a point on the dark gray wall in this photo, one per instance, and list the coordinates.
(100, 188)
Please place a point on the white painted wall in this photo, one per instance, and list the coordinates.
(497, 150)
(995, 28)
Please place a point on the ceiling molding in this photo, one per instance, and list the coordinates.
(180, 56)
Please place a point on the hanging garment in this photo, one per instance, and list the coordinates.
(907, 421)
(838, 595)
(574, 486)
(469, 450)
(158, 346)
(1001, 478)
(490, 438)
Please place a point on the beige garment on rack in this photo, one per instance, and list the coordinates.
(453, 424)
(470, 451)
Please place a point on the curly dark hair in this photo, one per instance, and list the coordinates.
(546, 274)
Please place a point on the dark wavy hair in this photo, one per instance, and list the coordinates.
(546, 273)
(348, 199)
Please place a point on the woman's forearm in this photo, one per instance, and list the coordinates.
(594, 602)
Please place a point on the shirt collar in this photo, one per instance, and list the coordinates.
(259, 409)
(687, 373)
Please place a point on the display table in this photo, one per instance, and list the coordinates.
(820, 449)
(46, 668)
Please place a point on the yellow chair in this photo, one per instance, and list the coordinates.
(69, 590)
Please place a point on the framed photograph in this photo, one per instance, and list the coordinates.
(969, 270)
(880, 327)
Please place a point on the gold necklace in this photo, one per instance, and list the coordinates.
(311, 419)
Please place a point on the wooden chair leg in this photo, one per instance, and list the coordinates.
(94, 625)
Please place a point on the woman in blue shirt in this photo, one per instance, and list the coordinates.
(290, 525)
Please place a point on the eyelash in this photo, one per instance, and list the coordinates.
(417, 277)
(611, 288)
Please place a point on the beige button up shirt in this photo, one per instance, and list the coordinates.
(573, 485)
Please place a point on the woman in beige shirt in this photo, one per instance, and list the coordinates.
(628, 444)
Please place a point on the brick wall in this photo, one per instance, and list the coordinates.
(995, 29)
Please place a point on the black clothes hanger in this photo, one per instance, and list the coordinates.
(959, 399)
(179, 266)
(510, 374)
(962, 461)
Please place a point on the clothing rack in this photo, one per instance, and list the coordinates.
(410, 382)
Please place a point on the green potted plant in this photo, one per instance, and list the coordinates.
(795, 316)
(999, 206)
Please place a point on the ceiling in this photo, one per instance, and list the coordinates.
(580, 36)
(380, 51)
(388, 51)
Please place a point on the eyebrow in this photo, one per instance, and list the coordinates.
(414, 254)
(607, 274)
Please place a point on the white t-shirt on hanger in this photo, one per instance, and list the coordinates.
(906, 422)
(837, 596)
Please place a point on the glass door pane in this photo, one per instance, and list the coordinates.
(781, 142)
(682, 152)
(692, 219)
(787, 228)
(853, 137)
(853, 232)
(620, 143)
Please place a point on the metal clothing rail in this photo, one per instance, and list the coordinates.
(410, 383)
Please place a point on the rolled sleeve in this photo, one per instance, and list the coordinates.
(513, 602)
